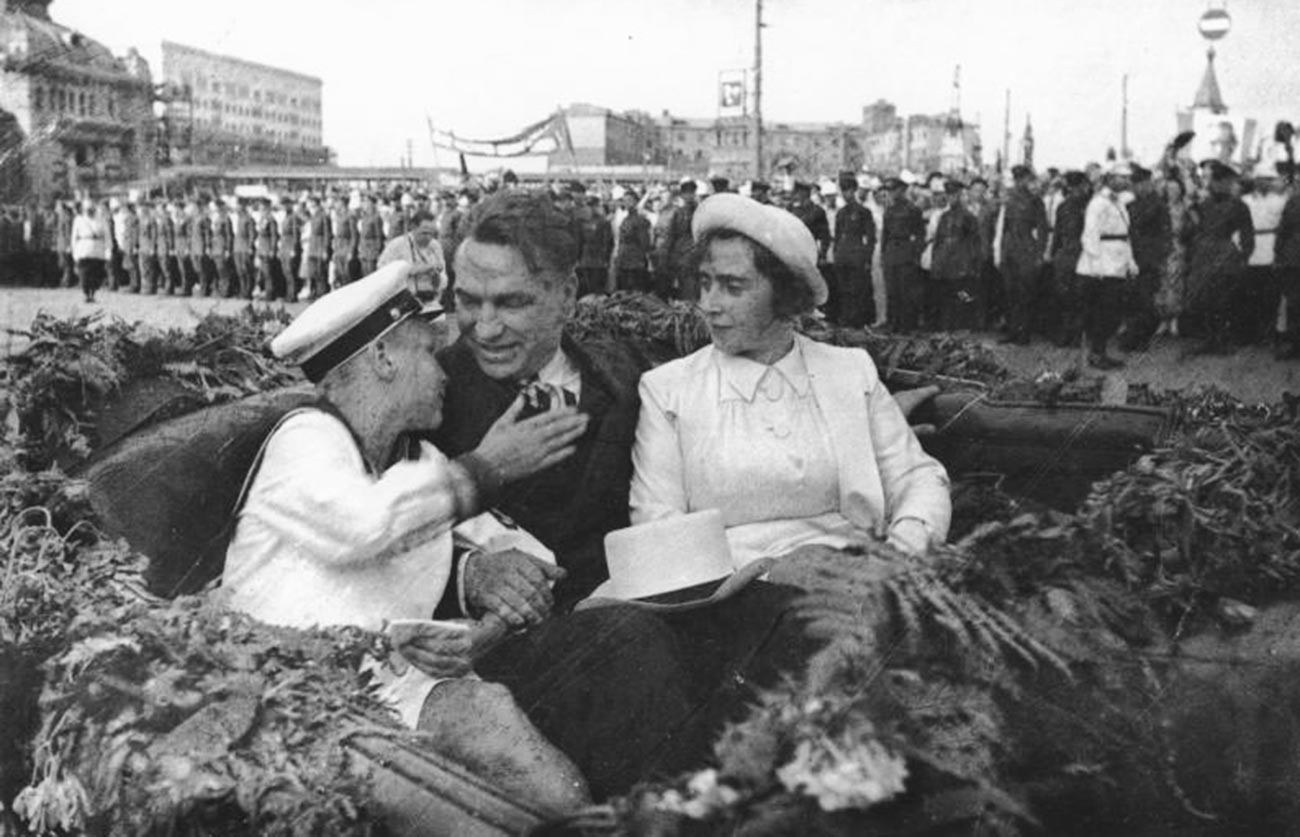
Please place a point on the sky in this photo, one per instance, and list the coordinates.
(485, 68)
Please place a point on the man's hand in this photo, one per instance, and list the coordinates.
(909, 399)
(512, 585)
(517, 449)
(439, 650)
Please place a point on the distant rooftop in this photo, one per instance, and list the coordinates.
(172, 46)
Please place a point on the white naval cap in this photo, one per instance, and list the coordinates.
(334, 328)
(776, 229)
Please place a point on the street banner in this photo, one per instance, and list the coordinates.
(732, 93)
(542, 137)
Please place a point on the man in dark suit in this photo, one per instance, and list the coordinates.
(516, 288)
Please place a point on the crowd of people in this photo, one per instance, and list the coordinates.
(1078, 257)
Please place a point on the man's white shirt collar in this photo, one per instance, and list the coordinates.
(560, 371)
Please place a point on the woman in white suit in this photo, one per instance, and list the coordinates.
(795, 441)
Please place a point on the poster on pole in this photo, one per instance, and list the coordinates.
(732, 93)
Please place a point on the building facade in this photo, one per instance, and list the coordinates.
(883, 142)
(222, 110)
(78, 119)
(918, 143)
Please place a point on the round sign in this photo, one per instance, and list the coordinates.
(1214, 24)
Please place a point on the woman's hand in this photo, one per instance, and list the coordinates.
(910, 535)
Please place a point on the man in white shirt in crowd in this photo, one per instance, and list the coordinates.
(1257, 304)
(1106, 265)
(419, 247)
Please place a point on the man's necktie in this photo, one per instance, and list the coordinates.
(538, 397)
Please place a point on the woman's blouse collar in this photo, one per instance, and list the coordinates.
(742, 377)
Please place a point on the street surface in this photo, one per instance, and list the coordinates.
(1250, 373)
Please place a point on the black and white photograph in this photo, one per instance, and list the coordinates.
(672, 418)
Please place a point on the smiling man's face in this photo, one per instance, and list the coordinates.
(510, 318)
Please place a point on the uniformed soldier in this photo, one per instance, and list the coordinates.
(343, 244)
(634, 247)
(241, 249)
(1067, 245)
(168, 251)
(182, 220)
(675, 248)
(289, 238)
(369, 235)
(955, 264)
(1222, 243)
(1106, 266)
(126, 240)
(902, 238)
(1021, 237)
(1257, 304)
(855, 242)
(64, 217)
(201, 266)
(1151, 237)
(1287, 258)
(596, 239)
(315, 251)
(147, 252)
(222, 250)
(265, 251)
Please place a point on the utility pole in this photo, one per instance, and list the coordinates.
(1123, 121)
(758, 89)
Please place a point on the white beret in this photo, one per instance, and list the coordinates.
(334, 328)
(775, 228)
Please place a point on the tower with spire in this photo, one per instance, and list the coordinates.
(1208, 95)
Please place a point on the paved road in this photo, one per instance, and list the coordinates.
(18, 306)
(1250, 373)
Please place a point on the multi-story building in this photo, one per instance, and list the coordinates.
(79, 119)
(919, 143)
(224, 110)
(603, 138)
(691, 147)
